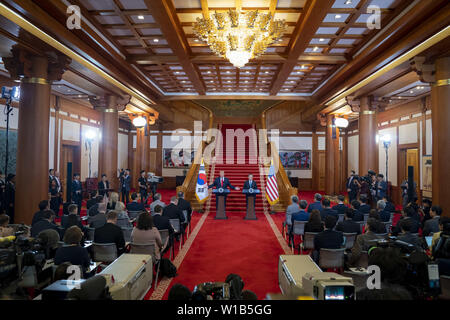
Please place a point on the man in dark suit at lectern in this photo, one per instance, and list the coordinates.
(224, 183)
(250, 184)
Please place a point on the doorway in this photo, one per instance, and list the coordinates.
(322, 173)
(69, 153)
(409, 157)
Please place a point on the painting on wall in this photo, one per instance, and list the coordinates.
(427, 176)
(297, 159)
(177, 158)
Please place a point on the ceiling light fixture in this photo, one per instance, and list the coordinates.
(141, 17)
(155, 40)
(338, 16)
(239, 36)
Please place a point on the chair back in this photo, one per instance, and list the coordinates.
(366, 216)
(299, 228)
(381, 235)
(308, 240)
(164, 235)
(144, 248)
(349, 239)
(123, 223)
(127, 234)
(363, 260)
(134, 214)
(445, 286)
(340, 218)
(331, 258)
(104, 252)
(175, 225)
(90, 233)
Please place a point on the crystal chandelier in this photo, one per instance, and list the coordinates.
(239, 36)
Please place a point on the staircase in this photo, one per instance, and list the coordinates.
(237, 174)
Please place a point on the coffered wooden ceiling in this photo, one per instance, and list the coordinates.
(160, 40)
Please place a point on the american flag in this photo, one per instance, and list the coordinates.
(272, 186)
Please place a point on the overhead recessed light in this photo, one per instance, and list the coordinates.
(246, 81)
(316, 49)
(209, 72)
(348, 2)
(183, 81)
(266, 72)
(141, 17)
(228, 81)
(338, 16)
(176, 72)
(321, 39)
(155, 40)
(292, 81)
(411, 91)
(263, 81)
(196, 40)
(247, 72)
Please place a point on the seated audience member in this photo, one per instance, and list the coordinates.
(364, 208)
(407, 213)
(393, 273)
(405, 234)
(43, 206)
(385, 215)
(73, 219)
(327, 239)
(113, 199)
(249, 295)
(5, 231)
(314, 223)
(99, 220)
(135, 204)
(327, 211)
(72, 251)
(301, 215)
(316, 204)
(437, 235)
(426, 208)
(390, 207)
(45, 223)
(92, 201)
(348, 225)
(172, 211)
(110, 232)
(145, 232)
(290, 210)
(441, 245)
(161, 222)
(184, 206)
(123, 220)
(179, 293)
(357, 215)
(380, 228)
(340, 207)
(61, 272)
(157, 202)
(432, 225)
(95, 207)
(364, 241)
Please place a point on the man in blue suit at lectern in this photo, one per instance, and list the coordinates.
(224, 183)
(250, 184)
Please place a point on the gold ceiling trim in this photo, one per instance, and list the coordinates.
(441, 35)
(26, 25)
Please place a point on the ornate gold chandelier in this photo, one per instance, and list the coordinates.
(239, 36)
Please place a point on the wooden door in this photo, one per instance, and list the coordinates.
(412, 159)
(322, 174)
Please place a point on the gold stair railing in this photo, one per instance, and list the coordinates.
(190, 182)
(285, 188)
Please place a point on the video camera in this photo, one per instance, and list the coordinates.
(212, 291)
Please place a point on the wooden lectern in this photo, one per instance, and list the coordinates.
(220, 199)
(250, 198)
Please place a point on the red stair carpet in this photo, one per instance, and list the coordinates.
(235, 245)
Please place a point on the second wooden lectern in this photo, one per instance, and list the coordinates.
(250, 198)
(220, 200)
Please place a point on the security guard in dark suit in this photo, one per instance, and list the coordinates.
(77, 191)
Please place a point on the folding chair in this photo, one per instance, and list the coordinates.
(134, 214)
(165, 237)
(308, 240)
(340, 218)
(331, 258)
(147, 248)
(104, 252)
(350, 239)
(366, 216)
(176, 225)
(90, 233)
(127, 234)
(298, 229)
(445, 287)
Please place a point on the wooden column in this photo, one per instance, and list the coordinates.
(32, 162)
(142, 151)
(332, 157)
(108, 150)
(440, 113)
(367, 137)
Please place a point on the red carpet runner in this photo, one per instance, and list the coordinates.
(221, 247)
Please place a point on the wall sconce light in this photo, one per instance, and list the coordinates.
(341, 122)
(139, 122)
